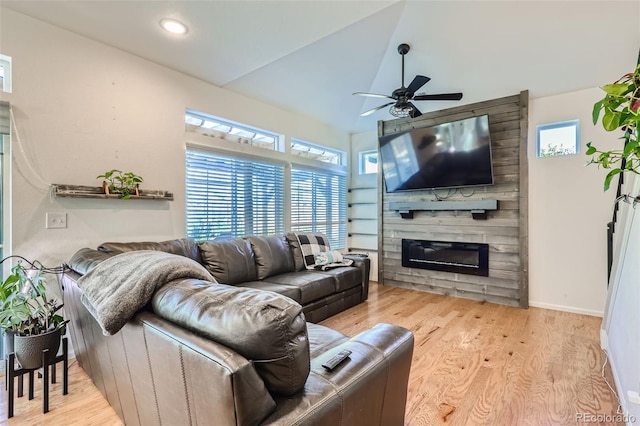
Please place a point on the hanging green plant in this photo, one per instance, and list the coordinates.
(121, 183)
(620, 110)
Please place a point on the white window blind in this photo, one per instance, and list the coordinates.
(319, 204)
(229, 196)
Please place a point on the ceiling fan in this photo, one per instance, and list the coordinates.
(402, 97)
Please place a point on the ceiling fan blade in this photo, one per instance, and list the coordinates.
(371, 111)
(415, 112)
(373, 95)
(418, 82)
(439, 97)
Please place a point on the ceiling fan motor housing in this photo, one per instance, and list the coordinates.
(401, 95)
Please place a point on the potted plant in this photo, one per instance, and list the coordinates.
(29, 314)
(620, 109)
(121, 183)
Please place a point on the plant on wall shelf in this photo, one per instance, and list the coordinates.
(121, 183)
(620, 110)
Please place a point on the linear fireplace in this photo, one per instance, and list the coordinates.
(463, 258)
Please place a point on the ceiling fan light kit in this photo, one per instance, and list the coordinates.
(402, 97)
(402, 111)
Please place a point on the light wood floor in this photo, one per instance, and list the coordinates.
(473, 363)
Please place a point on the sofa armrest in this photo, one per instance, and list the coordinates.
(364, 264)
(370, 387)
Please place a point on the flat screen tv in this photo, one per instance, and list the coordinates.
(448, 155)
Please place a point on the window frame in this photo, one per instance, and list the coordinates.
(5, 63)
(230, 135)
(340, 155)
(558, 125)
(362, 161)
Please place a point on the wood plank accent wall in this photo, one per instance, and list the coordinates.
(505, 230)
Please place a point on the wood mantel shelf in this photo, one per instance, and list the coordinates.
(478, 208)
(80, 191)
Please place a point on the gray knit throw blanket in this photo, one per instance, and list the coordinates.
(121, 285)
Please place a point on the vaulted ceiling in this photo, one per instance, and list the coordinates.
(310, 56)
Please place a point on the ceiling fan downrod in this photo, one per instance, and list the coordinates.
(403, 49)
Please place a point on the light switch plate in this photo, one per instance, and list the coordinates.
(56, 220)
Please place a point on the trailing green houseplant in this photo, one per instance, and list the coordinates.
(620, 110)
(121, 183)
(30, 319)
(25, 307)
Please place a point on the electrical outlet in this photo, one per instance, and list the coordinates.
(56, 220)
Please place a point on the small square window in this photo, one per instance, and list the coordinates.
(368, 161)
(5, 74)
(558, 139)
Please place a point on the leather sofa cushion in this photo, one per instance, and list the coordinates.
(264, 327)
(86, 259)
(344, 277)
(229, 261)
(294, 245)
(273, 255)
(312, 286)
(289, 291)
(183, 246)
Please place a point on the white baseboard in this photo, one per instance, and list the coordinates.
(564, 308)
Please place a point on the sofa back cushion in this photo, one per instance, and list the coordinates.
(264, 327)
(229, 261)
(294, 246)
(273, 255)
(84, 260)
(183, 247)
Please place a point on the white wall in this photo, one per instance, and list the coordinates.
(364, 142)
(82, 108)
(568, 212)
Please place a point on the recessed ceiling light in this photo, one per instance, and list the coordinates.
(173, 26)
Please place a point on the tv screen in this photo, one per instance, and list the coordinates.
(447, 155)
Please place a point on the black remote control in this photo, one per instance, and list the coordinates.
(336, 359)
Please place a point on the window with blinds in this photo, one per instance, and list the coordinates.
(228, 197)
(319, 204)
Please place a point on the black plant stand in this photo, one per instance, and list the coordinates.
(47, 361)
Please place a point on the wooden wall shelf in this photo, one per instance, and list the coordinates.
(80, 191)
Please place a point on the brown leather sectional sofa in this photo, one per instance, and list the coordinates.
(245, 351)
